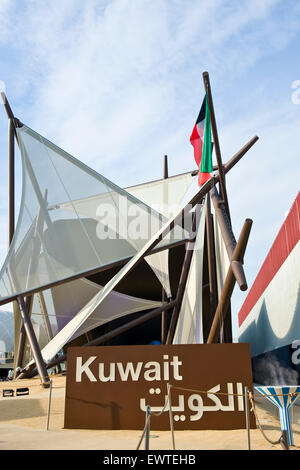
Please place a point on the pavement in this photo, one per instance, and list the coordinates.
(24, 420)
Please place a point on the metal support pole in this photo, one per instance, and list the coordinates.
(223, 305)
(112, 334)
(195, 200)
(22, 335)
(26, 322)
(163, 319)
(164, 314)
(247, 416)
(33, 343)
(228, 238)
(131, 324)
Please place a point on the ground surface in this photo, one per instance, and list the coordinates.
(23, 426)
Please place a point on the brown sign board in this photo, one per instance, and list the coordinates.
(109, 387)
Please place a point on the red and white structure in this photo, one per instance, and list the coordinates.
(270, 316)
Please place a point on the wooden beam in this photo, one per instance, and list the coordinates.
(229, 283)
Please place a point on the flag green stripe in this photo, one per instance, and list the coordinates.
(206, 160)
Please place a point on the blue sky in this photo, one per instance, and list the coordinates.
(118, 84)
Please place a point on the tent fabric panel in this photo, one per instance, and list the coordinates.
(189, 328)
(164, 195)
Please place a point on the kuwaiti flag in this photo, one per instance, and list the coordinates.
(201, 141)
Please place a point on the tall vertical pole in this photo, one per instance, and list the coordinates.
(171, 414)
(22, 336)
(164, 315)
(26, 322)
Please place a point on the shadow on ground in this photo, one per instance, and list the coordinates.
(14, 408)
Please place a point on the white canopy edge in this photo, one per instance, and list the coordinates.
(189, 328)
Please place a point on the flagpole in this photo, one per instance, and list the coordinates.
(207, 87)
(164, 313)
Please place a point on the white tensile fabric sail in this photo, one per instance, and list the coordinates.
(189, 328)
(63, 302)
(56, 238)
